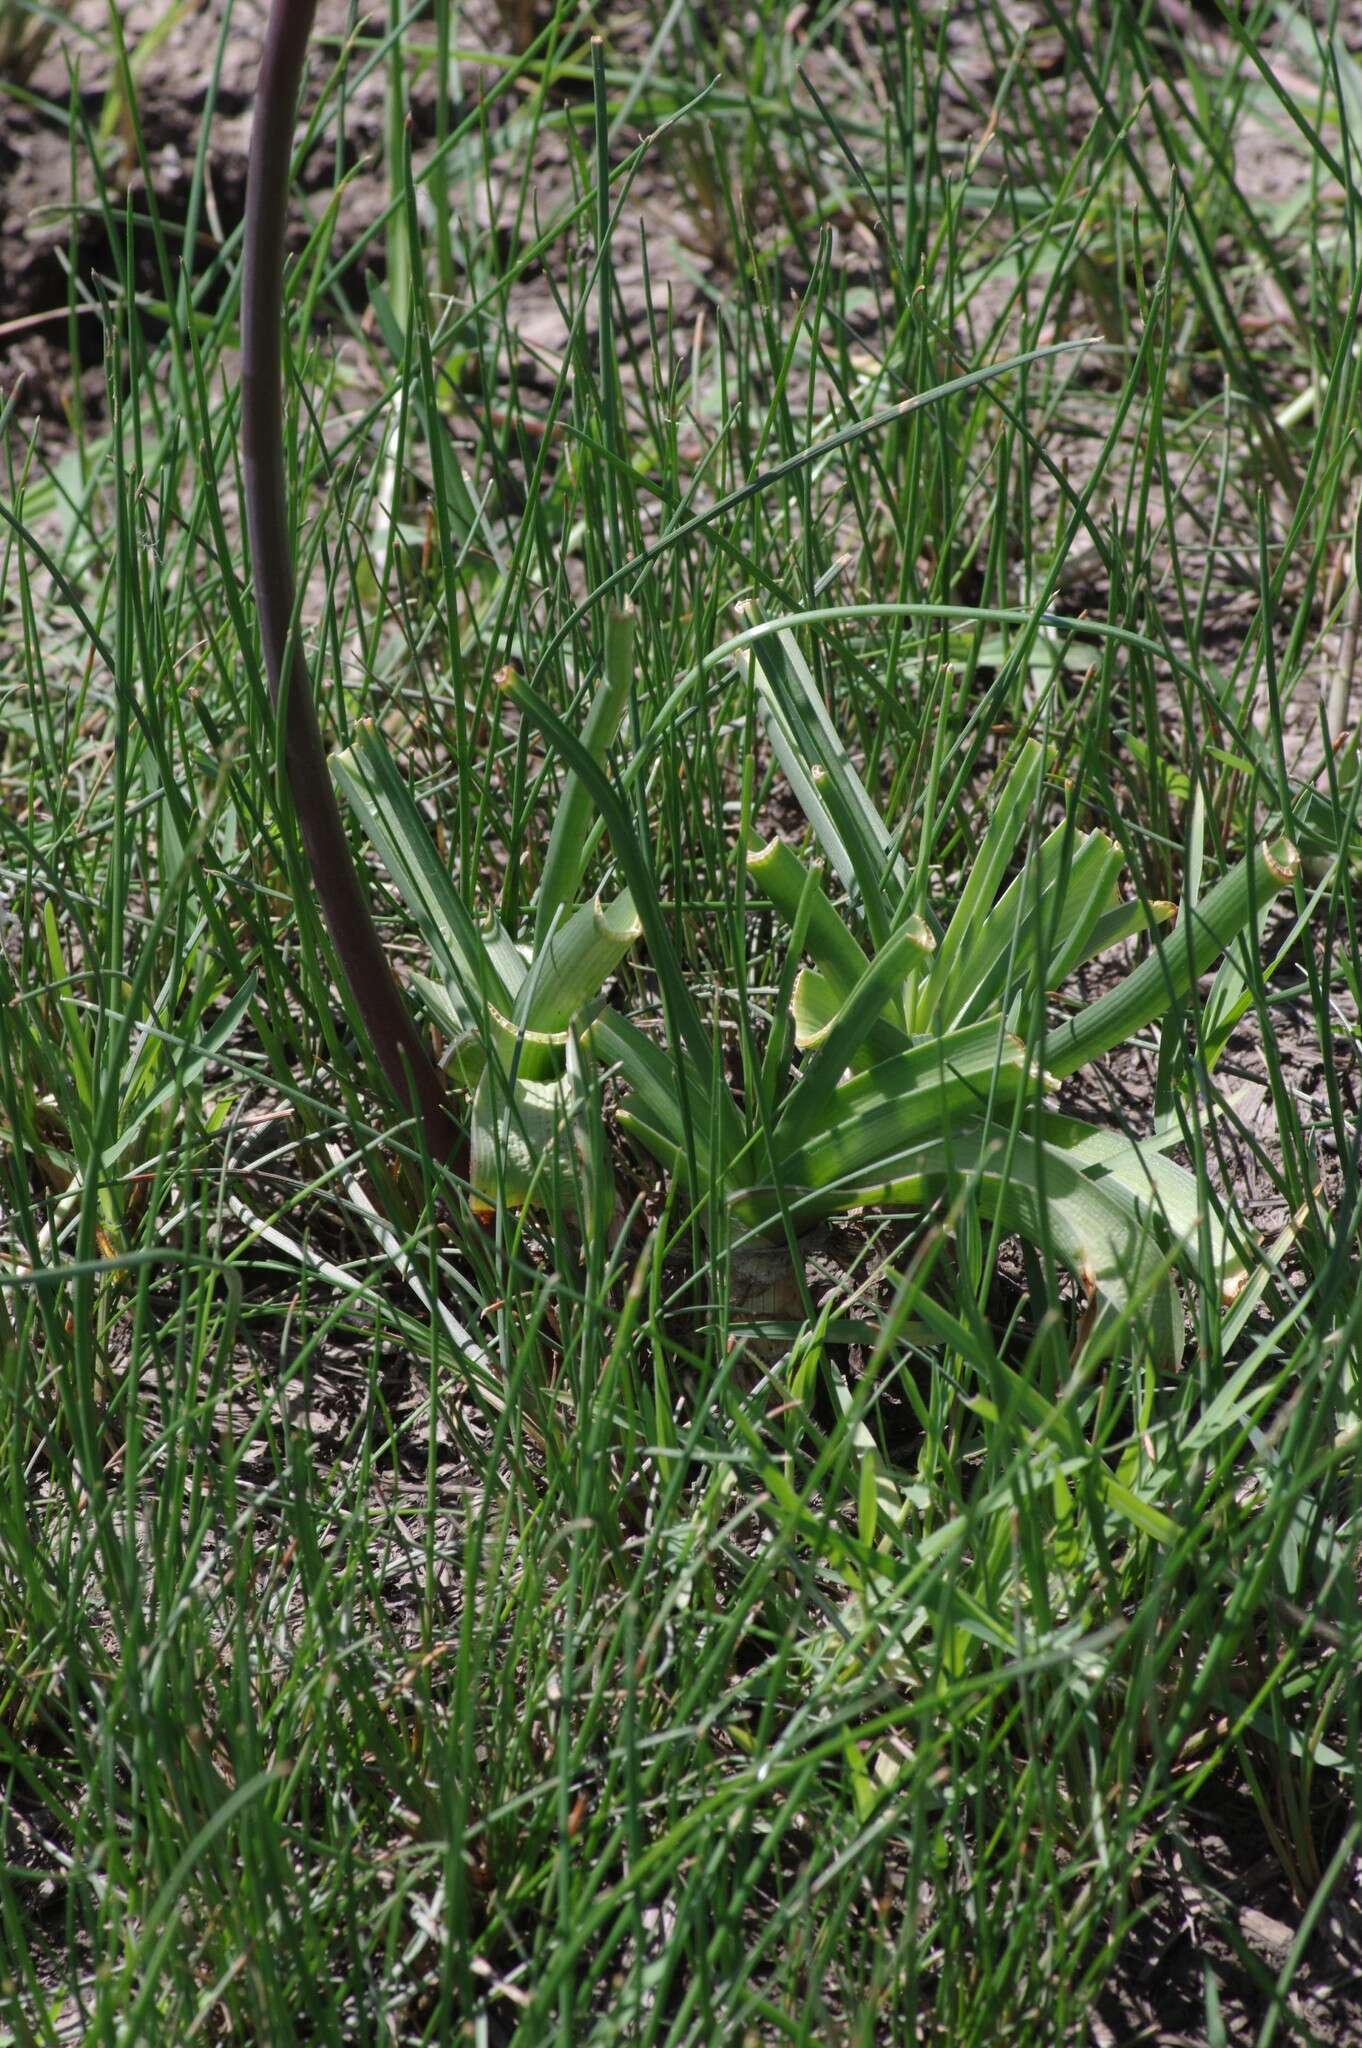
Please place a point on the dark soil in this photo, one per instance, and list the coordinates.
(1217, 1907)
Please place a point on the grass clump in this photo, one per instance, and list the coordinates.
(425, 1614)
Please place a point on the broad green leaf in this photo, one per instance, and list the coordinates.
(655, 1097)
(564, 859)
(1122, 922)
(529, 1142)
(982, 971)
(1175, 963)
(1107, 1238)
(1189, 1213)
(900, 1101)
(816, 1006)
(820, 1075)
(574, 964)
(862, 848)
(512, 1135)
(1086, 894)
(773, 1077)
(944, 990)
(516, 1050)
(377, 792)
(454, 1017)
(782, 876)
(506, 956)
(1038, 930)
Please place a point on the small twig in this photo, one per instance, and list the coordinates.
(383, 1011)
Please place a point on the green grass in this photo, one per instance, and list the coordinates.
(417, 1629)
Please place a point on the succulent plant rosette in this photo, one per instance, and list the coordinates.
(507, 1005)
(914, 1064)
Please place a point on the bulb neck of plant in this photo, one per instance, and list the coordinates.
(382, 1008)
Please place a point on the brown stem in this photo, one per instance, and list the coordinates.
(406, 1064)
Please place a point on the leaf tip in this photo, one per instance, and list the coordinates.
(1283, 861)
